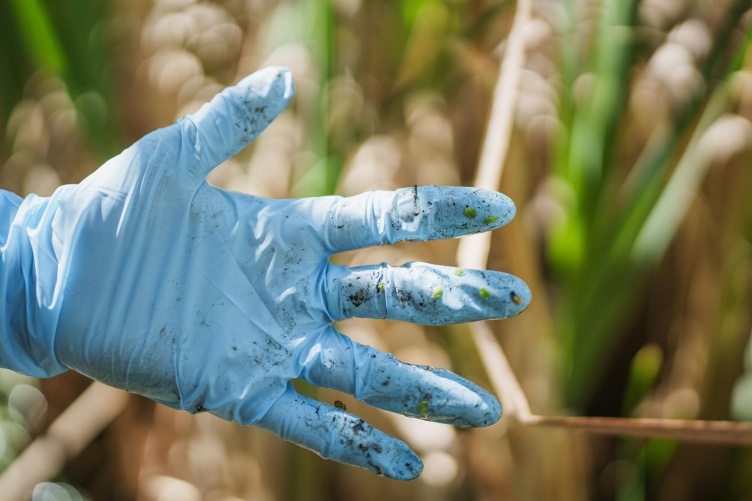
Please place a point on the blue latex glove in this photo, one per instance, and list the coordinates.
(148, 279)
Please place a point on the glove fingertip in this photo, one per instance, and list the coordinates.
(274, 81)
(406, 465)
(494, 412)
(238, 114)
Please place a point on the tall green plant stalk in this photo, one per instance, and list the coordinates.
(323, 176)
(585, 165)
(603, 247)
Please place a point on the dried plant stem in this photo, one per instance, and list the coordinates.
(516, 406)
(500, 372)
(66, 437)
(473, 253)
(711, 432)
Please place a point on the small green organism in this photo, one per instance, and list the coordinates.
(423, 407)
(437, 292)
(340, 405)
(459, 272)
(470, 212)
(380, 287)
(515, 298)
(490, 219)
(484, 293)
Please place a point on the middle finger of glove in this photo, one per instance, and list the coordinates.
(423, 293)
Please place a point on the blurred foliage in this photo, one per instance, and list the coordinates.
(67, 40)
(629, 165)
(616, 231)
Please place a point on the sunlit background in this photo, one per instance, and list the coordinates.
(629, 163)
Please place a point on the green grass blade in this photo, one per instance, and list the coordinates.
(649, 182)
(39, 36)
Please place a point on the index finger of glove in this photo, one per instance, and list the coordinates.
(417, 214)
(335, 434)
(237, 115)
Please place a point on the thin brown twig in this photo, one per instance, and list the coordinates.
(473, 253)
(710, 432)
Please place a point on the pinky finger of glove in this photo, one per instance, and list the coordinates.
(335, 434)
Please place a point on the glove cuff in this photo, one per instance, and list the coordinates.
(26, 343)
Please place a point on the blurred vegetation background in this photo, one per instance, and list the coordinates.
(630, 166)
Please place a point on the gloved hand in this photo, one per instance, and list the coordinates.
(146, 278)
